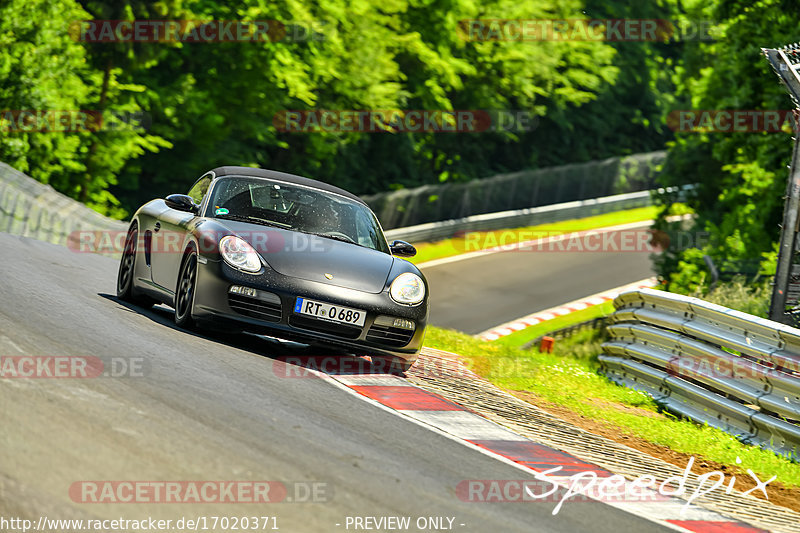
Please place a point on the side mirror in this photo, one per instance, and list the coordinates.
(181, 202)
(402, 249)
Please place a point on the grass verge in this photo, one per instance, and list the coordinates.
(519, 338)
(488, 239)
(569, 378)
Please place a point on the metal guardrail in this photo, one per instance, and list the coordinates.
(33, 209)
(517, 190)
(521, 217)
(568, 331)
(717, 366)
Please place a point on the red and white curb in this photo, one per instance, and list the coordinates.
(541, 316)
(397, 395)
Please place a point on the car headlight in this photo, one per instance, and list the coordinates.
(408, 289)
(239, 254)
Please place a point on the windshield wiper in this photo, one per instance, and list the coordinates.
(254, 220)
(340, 238)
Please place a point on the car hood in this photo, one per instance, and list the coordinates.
(315, 258)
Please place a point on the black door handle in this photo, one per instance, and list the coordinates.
(157, 227)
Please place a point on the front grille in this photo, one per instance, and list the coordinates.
(255, 308)
(340, 330)
(389, 336)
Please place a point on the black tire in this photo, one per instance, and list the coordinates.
(127, 271)
(184, 292)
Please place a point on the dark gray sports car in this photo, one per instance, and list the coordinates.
(268, 252)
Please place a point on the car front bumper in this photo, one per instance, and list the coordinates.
(275, 315)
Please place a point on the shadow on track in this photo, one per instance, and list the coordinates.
(295, 355)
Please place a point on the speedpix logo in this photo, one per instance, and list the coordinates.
(589, 485)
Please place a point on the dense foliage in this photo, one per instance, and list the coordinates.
(198, 105)
(214, 103)
(740, 177)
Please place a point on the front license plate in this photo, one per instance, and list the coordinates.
(334, 313)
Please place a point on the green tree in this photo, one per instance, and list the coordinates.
(41, 68)
(216, 102)
(739, 177)
(44, 68)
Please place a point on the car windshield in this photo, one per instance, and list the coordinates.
(297, 208)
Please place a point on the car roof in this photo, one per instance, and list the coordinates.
(220, 172)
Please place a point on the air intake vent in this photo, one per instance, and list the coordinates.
(389, 336)
(255, 308)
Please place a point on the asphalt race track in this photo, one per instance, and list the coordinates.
(211, 408)
(476, 294)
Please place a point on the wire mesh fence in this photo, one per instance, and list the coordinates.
(518, 190)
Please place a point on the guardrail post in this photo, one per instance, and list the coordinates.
(709, 363)
(712, 269)
(786, 290)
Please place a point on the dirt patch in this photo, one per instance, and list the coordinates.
(778, 493)
(597, 402)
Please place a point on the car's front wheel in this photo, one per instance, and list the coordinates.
(127, 271)
(184, 293)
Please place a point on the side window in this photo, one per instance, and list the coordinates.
(365, 229)
(199, 189)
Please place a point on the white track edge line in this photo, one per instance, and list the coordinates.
(555, 238)
(661, 521)
(517, 245)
